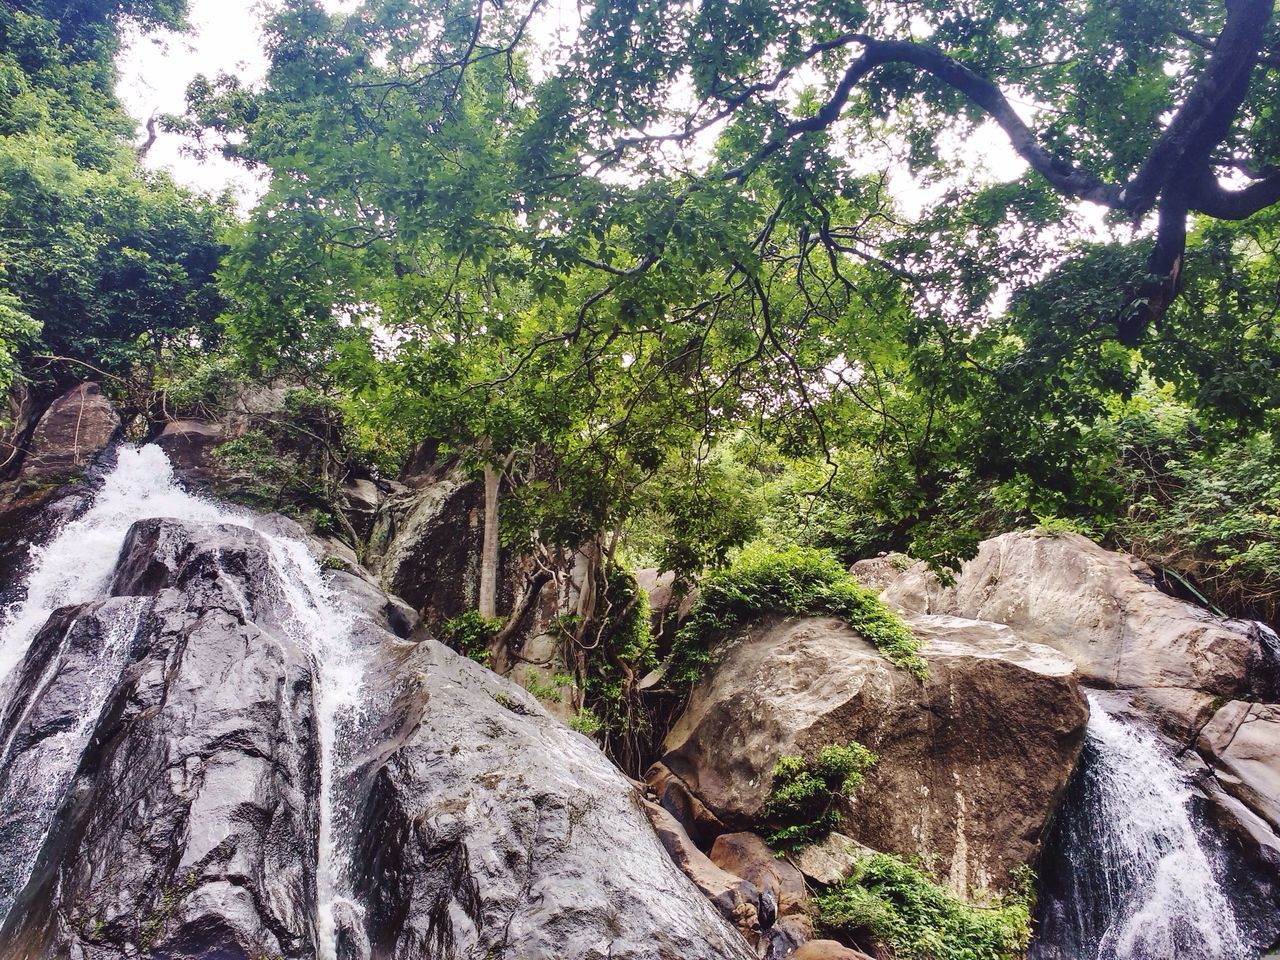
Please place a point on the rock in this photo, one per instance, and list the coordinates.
(181, 831)
(191, 445)
(666, 610)
(827, 950)
(973, 762)
(71, 434)
(426, 548)
(489, 825)
(1102, 610)
(877, 573)
(830, 860)
(1242, 746)
(737, 899)
(747, 856)
(465, 820)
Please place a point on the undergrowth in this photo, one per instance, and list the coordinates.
(469, 634)
(803, 798)
(888, 903)
(793, 581)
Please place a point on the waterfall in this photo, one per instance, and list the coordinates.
(75, 567)
(1137, 877)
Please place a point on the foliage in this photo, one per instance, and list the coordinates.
(469, 633)
(792, 581)
(889, 903)
(100, 263)
(617, 650)
(802, 801)
(586, 723)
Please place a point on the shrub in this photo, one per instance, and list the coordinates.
(802, 802)
(793, 581)
(469, 634)
(888, 903)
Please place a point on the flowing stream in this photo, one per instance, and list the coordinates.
(74, 567)
(1138, 878)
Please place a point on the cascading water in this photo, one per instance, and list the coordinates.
(1137, 878)
(75, 567)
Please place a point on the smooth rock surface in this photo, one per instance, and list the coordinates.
(1242, 745)
(973, 761)
(1101, 609)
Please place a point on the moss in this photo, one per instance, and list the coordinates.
(802, 801)
(793, 581)
(888, 905)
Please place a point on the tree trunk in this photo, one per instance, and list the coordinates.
(488, 600)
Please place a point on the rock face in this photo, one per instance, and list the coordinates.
(972, 762)
(200, 821)
(1177, 662)
(73, 431)
(1101, 609)
(493, 830)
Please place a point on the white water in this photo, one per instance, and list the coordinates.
(76, 565)
(1144, 884)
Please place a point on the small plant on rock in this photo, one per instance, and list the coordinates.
(888, 905)
(802, 803)
(469, 634)
(793, 581)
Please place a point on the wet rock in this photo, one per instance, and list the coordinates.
(490, 826)
(973, 762)
(1102, 610)
(181, 830)
(71, 434)
(471, 820)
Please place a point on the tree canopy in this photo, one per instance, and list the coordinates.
(98, 259)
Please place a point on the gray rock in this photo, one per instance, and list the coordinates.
(470, 821)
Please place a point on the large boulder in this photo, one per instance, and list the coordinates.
(1198, 676)
(489, 828)
(71, 434)
(1102, 610)
(239, 763)
(972, 761)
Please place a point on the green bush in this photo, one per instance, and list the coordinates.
(469, 634)
(793, 581)
(890, 903)
(802, 801)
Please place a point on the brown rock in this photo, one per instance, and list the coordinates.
(76, 428)
(877, 573)
(1102, 610)
(973, 762)
(827, 950)
(747, 856)
(190, 446)
(737, 899)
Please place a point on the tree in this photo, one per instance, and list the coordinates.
(100, 263)
(1142, 106)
